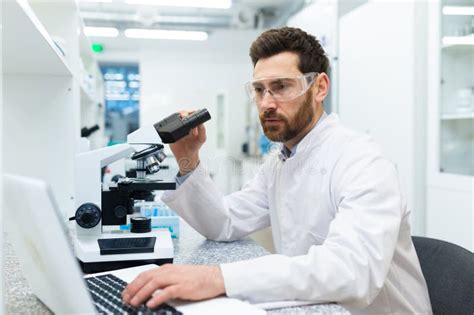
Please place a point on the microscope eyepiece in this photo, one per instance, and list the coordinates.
(196, 118)
(173, 127)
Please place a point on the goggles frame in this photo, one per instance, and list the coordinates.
(305, 80)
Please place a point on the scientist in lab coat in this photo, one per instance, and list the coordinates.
(339, 221)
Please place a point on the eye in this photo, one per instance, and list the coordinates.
(279, 86)
(258, 90)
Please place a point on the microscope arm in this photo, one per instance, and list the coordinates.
(88, 176)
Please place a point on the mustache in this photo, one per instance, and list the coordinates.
(272, 114)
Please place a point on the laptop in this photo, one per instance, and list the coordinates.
(39, 238)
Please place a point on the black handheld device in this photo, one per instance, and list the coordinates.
(173, 127)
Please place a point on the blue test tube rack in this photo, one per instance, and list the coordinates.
(161, 217)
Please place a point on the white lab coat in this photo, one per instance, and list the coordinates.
(340, 226)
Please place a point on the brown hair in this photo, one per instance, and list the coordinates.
(274, 41)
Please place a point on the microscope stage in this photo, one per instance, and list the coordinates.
(132, 184)
(121, 250)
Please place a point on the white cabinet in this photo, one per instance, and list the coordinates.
(456, 107)
(382, 46)
(41, 92)
(451, 122)
(62, 22)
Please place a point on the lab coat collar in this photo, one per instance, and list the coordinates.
(314, 137)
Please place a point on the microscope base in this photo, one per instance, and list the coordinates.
(94, 258)
(93, 267)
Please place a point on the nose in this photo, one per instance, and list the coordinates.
(268, 102)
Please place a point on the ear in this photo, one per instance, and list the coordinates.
(321, 87)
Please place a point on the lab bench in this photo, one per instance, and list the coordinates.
(190, 248)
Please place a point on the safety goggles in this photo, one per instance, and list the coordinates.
(281, 89)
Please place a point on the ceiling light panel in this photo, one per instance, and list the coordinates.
(165, 34)
(94, 1)
(101, 31)
(213, 4)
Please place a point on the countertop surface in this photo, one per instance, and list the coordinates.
(190, 248)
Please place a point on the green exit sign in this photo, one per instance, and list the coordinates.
(97, 48)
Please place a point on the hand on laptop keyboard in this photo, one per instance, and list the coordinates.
(106, 291)
(176, 282)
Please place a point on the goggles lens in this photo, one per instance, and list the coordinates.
(281, 89)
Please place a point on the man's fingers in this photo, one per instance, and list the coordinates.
(184, 113)
(201, 132)
(133, 287)
(147, 290)
(171, 292)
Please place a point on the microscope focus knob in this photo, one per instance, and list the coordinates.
(88, 215)
(120, 211)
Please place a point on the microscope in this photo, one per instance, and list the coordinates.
(99, 243)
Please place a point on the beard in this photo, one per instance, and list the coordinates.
(290, 128)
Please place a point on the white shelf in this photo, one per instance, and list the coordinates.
(457, 10)
(466, 42)
(457, 116)
(24, 34)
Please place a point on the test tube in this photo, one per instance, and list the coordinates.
(145, 210)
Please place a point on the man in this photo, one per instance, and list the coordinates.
(340, 225)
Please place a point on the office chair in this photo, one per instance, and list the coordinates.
(449, 274)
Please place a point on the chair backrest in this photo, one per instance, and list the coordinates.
(449, 274)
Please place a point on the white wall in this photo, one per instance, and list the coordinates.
(381, 89)
(321, 20)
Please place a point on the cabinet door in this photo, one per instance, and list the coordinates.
(456, 109)
(450, 122)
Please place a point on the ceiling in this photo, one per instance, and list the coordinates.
(242, 15)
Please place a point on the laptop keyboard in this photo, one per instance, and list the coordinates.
(106, 291)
